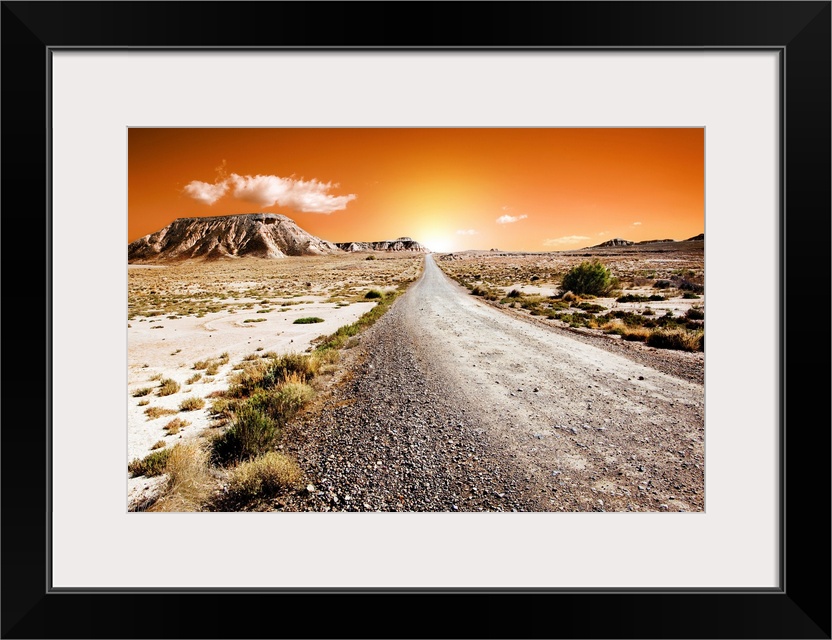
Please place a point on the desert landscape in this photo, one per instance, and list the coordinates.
(276, 367)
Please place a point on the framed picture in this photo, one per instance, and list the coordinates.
(754, 77)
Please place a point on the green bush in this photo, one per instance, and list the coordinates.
(373, 293)
(310, 320)
(589, 277)
(252, 433)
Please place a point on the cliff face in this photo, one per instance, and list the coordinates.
(399, 244)
(263, 235)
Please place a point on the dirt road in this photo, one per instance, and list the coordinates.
(455, 405)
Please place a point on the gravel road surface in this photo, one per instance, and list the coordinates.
(450, 404)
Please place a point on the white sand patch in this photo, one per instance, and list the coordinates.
(166, 347)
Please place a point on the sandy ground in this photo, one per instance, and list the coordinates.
(167, 344)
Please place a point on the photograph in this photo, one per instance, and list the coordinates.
(416, 319)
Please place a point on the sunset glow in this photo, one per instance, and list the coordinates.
(518, 189)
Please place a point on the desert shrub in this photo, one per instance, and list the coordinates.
(631, 297)
(635, 334)
(656, 298)
(189, 482)
(648, 312)
(590, 307)
(143, 403)
(590, 277)
(158, 445)
(478, 291)
(151, 465)
(689, 295)
(265, 475)
(168, 387)
(676, 339)
(194, 378)
(514, 293)
(283, 402)
(663, 284)
(254, 320)
(695, 314)
(310, 320)
(373, 293)
(267, 374)
(212, 369)
(138, 393)
(174, 426)
(191, 404)
(569, 297)
(157, 412)
(370, 257)
(251, 433)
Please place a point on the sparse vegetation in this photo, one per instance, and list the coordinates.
(143, 403)
(310, 320)
(194, 378)
(157, 412)
(189, 481)
(191, 404)
(264, 476)
(158, 445)
(168, 387)
(175, 426)
(677, 339)
(151, 465)
(589, 277)
(138, 393)
(373, 293)
(254, 320)
(252, 432)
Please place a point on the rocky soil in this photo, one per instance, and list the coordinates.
(450, 405)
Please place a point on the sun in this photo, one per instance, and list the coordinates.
(438, 244)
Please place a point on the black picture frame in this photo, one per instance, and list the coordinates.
(799, 608)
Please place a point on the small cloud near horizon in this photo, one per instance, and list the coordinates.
(466, 232)
(308, 196)
(636, 224)
(552, 242)
(507, 219)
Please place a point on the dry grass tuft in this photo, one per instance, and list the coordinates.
(175, 426)
(157, 412)
(168, 387)
(191, 404)
(189, 484)
(265, 475)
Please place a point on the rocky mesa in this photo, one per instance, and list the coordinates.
(263, 235)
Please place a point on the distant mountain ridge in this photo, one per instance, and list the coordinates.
(399, 244)
(264, 235)
(620, 242)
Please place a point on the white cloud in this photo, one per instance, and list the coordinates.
(602, 233)
(206, 192)
(466, 232)
(309, 196)
(553, 242)
(635, 224)
(507, 219)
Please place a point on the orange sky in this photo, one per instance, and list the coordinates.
(450, 189)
